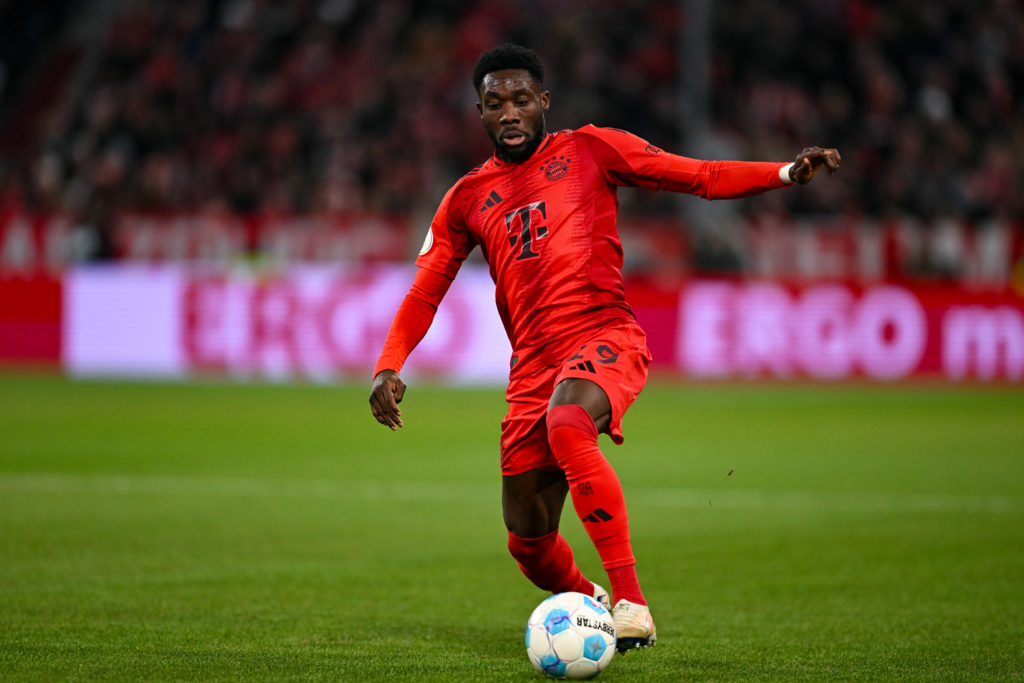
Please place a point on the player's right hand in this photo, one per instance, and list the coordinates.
(385, 395)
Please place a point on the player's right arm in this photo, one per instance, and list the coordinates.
(447, 245)
(407, 330)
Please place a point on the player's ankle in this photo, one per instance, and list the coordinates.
(636, 599)
(584, 585)
(625, 585)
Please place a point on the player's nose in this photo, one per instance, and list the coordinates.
(509, 113)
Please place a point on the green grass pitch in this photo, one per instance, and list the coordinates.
(222, 531)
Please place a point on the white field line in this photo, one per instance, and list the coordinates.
(470, 492)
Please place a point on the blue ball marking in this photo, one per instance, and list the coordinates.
(594, 647)
(553, 666)
(592, 604)
(556, 621)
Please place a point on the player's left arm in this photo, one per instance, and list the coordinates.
(735, 179)
(629, 160)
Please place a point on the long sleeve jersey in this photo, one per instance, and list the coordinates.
(548, 231)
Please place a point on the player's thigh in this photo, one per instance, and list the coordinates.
(617, 361)
(524, 438)
(588, 395)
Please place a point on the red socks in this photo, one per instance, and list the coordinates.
(547, 562)
(625, 585)
(597, 496)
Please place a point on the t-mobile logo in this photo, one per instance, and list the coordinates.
(526, 225)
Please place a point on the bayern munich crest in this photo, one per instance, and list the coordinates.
(555, 168)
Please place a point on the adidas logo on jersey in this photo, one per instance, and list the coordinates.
(493, 200)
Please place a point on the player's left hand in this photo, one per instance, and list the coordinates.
(811, 160)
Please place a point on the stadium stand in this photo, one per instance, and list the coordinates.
(341, 108)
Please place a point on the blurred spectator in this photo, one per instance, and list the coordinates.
(344, 106)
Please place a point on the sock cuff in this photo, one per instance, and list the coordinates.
(530, 543)
(615, 555)
(571, 416)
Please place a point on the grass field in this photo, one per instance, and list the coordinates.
(258, 532)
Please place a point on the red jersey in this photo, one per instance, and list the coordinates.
(547, 229)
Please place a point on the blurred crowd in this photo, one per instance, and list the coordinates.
(347, 106)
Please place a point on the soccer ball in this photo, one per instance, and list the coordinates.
(570, 635)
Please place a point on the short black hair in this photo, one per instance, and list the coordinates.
(508, 56)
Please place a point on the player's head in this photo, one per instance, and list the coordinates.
(509, 81)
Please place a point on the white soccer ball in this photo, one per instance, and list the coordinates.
(570, 635)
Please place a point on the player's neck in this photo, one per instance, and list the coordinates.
(524, 155)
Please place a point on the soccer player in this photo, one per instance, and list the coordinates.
(543, 211)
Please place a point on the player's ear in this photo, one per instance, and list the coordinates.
(545, 100)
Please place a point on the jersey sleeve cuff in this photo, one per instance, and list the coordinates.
(784, 173)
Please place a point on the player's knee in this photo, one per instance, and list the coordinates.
(533, 524)
(568, 425)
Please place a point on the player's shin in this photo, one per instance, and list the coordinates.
(596, 495)
(548, 562)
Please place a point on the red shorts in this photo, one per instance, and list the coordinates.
(615, 358)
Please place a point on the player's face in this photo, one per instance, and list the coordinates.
(512, 107)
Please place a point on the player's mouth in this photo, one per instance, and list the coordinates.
(513, 138)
